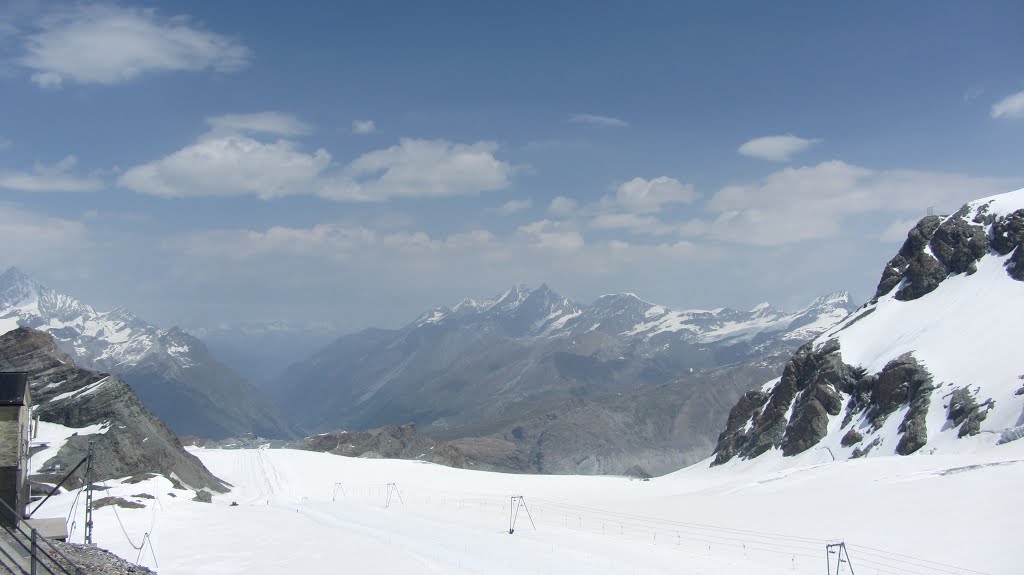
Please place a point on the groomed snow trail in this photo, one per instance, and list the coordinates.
(304, 512)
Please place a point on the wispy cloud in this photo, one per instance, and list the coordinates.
(33, 239)
(596, 120)
(634, 223)
(1010, 107)
(276, 123)
(513, 206)
(808, 203)
(562, 206)
(108, 44)
(363, 127)
(776, 148)
(972, 94)
(6, 143)
(58, 177)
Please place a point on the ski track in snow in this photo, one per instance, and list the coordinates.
(770, 515)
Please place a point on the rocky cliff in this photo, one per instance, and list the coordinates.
(127, 439)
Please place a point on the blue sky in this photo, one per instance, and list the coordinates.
(209, 162)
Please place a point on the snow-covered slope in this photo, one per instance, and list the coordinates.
(313, 513)
(172, 371)
(932, 364)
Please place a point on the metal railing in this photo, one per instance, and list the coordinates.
(42, 553)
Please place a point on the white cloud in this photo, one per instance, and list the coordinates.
(421, 168)
(331, 241)
(276, 123)
(230, 165)
(562, 206)
(1010, 107)
(223, 163)
(6, 143)
(552, 235)
(513, 206)
(776, 148)
(641, 196)
(55, 178)
(107, 44)
(363, 127)
(596, 120)
(797, 204)
(634, 223)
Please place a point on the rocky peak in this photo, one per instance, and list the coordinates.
(130, 441)
(937, 247)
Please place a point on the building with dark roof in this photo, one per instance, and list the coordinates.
(15, 422)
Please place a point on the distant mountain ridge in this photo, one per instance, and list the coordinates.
(931, 364)
(172, 371)
(544, 313)
(512, 364)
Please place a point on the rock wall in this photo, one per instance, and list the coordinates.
(135, 441)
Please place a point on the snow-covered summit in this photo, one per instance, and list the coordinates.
(931, 364)
(626, 315)
(172, 371)
(99, 340)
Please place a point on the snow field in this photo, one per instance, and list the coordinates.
(304, 512)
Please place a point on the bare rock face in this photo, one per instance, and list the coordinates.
(134, 442)
(812, 386)
(965, 411)
(734, 439)
(937, 248)
(810, 383)
(391, 442)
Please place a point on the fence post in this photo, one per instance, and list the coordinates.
(34, 552)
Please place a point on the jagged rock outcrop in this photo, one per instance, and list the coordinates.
(134, 441)
(812, 390)
(906, 336)
(939, 247)
(811, 383)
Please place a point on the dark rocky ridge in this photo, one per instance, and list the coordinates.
(135, 442)
(937, 248)
(812, 384)
(794, 414)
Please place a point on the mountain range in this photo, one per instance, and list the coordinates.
(596, 388)
(173, 372)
